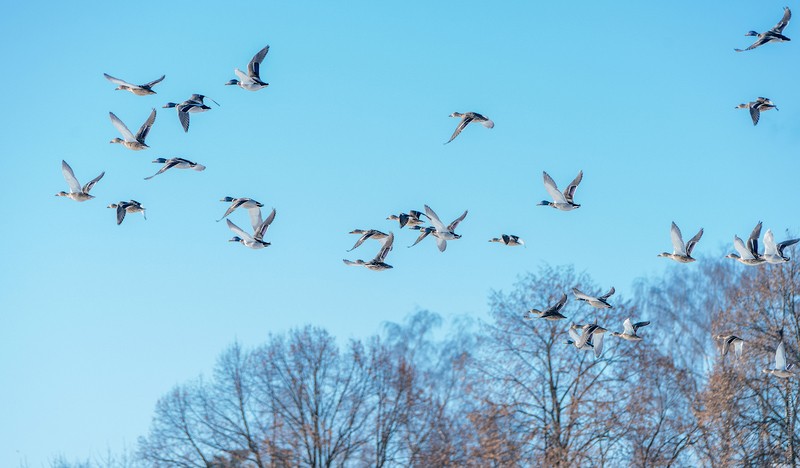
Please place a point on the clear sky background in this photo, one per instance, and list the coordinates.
(97, 321)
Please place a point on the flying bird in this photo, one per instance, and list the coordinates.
(177, 163)
(781, 369)
(130, 141)
(629, 330)
(251, 81)
(248, 203)
(367, 234)
(758, 106)
(379, 262)
(550, 313)
(192, 105)
(139, 90)
(123, 207)
(561, 201)
(509, 240)
(599, 302)
(728, 340)
(256, 241)
(682, 253)
(76, 192)
(442, 233)
(423, 233)
(593, 333)
(748, 254)
(466, 119)
(411, 219)
(773, 253)
(773, 35)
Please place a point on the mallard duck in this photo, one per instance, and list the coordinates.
(256, 241)
(591, 332)
(682, 253)
(139, 90)
(130, 141)
(123, 207)
(244, 202)
(378, 263)
(781, 369)
(177, 163)
(629, 330)
(561, 201)
(76, 192)
(748, 255)
(599, 302)
(551, 313)
(192, 105)
(728, 340)
(508, 239)
(411, 219)
(773, 253)
(366, 234)
(466, 119)
(758, 106)
(773, 35)
(251, 81)
(442, 233)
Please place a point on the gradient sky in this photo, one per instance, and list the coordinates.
(97, 321)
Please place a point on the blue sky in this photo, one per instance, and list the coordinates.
(97, 321)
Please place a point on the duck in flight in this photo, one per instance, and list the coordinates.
(177, 163)
(411, 219)
(129, 140)
(509, 240)
(681, 253)
(781, 369)
(561, 201)
(251, 81)
(773, 253)
(123, 207)
(248, 203)
(758, 106)
(367, 234)
(466, 119)
(551, 313)
(599, 302)
(748, 254)
(441, 232)
(629, 330)
(731, 340)
(379, 262)
(76, 192)
(192, 105)
(139, 90)
(773, 35)
(590, 338)
(256, 241)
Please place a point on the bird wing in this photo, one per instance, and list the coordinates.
(452, 226)
(608, 294)
(441, 243)
(146, 126)
(738, 244)
(255, 64)
(581, 296)
(255, 216)
(752, 241)
(126, 134)
(464, 122)
(119, 82)
(585, 336)
(552, 189)
(261, 229)
(183, 117)
(639, 325)
(361, 239)
(569, 192)
(769, 243)
(574, 335)
(385, 248)
(677, 240)
(560, 304)
(236, 230)
(755, 114)
(69, 176)
(738, 347)
(693, 241)
(787, 15)
(243, 77)
(627, 327)
(597, 342)
(437, 223)
(121, 209)
(780, 357)
(154, 82)
(785, 244)
(90, 184)
(422, 234)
